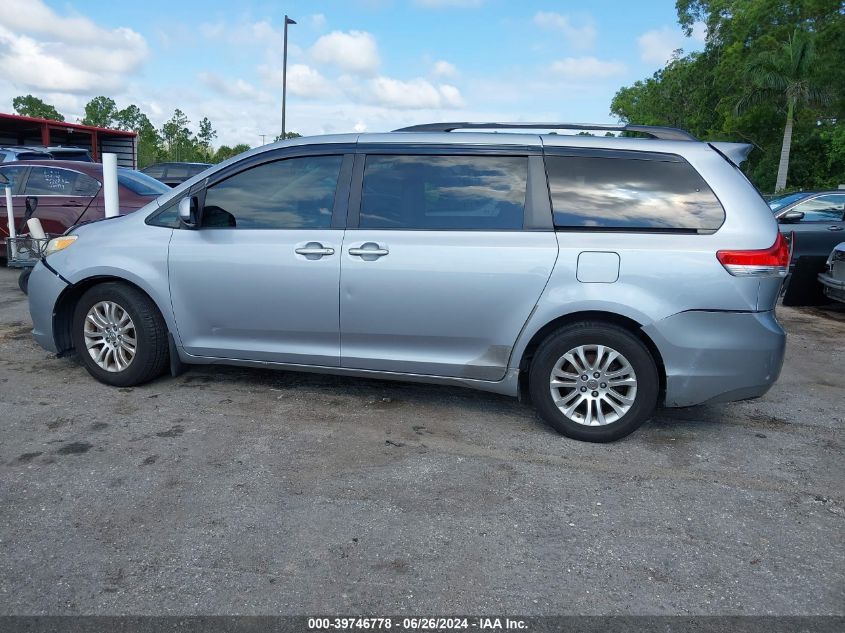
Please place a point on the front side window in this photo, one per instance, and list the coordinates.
(630, 194)
(444, 192)
(829, 208)
(296, 193)
(53, 181)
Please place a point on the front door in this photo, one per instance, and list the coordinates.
(259, 279)
(440, 274)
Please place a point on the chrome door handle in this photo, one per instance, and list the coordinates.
(834, 228)
(376, 252)
(314, 250)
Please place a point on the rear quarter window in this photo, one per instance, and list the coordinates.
(631, 194)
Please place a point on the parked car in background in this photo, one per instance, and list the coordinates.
(817, 220)
(70, 153)
(172, 174)
(63, 193)
(11, 154)
(833, 280)
(599, 276)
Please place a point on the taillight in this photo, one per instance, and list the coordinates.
(769, 262)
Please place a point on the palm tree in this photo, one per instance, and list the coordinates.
(784, 76)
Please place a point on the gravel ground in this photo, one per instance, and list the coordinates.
(232, 490)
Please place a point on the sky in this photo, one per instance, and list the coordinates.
(353, 65)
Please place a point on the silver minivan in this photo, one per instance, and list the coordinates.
(597, 276)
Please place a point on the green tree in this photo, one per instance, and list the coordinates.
(287, 136)
(100, 112)
(785, 77)
(149, 140)
(225, 152)
(699, 92)
(206, 135)
(177, 137)
(35, 107)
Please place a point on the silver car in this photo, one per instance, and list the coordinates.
(599, 277)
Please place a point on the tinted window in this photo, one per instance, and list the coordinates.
(156, 171)
(13, 175)
(295, 193)
(53, 181)
(618, 193)
(822, 209)
(141, 184)
(178, 171)
(444, 192)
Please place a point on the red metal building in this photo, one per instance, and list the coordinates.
(25, 130)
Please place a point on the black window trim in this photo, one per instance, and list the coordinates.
(613, 154)
(537, 212)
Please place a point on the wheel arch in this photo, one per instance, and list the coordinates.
(63, 311)
(599, 316)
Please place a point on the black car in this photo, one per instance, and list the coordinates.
(817, 220)
(9, 154)
(173, 174)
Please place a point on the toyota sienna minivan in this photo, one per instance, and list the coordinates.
(599, 277)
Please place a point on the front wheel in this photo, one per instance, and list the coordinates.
(120, 335)
(594, 382)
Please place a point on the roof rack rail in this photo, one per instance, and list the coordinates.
(664, 133)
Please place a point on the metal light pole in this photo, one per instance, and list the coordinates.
(285, 73)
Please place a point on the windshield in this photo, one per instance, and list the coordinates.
(140, 183)
(779, 202)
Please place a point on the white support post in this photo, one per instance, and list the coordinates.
(10, 214)
(110, 185)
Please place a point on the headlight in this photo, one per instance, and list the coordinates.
(59, 244)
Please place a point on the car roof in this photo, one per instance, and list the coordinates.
(92, 169)
(173, 162)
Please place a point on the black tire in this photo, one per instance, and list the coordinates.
(152, 351)
(23, 280)
(619, 339)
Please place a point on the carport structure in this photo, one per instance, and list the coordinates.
(24, 130)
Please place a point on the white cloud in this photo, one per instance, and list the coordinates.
(306, 82)
(658, 45)
(235, 88)
(353, 51)
(413, 94)
(443, 68)
(578, 36)
(449, 4)
(586, 68)
(42, 50)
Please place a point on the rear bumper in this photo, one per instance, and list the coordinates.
(718, 356)
(833, 288)
(44, 288)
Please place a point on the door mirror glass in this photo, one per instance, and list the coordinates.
(791, 217)
(188, 212)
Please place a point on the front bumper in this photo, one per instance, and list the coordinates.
(44, 288)
(718, 356)
(833, 288)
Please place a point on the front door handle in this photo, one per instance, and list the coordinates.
(369, 251)
(314, 250)
(834, 227)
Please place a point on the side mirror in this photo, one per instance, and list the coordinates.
(791, 217)
(188, 214)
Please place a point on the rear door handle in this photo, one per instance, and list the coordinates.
(314, 250)
(73, 203)
(369, 250)
(834, 227)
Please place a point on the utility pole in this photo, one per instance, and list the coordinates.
(262, 138)
(285, 73)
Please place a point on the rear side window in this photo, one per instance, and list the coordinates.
(296, 193)
(630, 194)
(444, 192)
(53, 181)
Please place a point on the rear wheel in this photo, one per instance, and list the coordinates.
(594, 382)
(119, 335)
